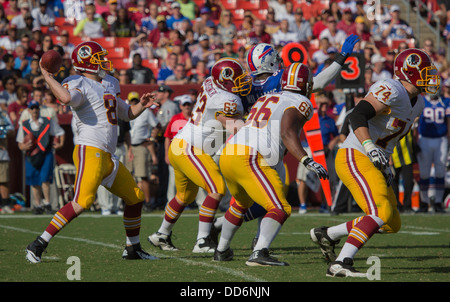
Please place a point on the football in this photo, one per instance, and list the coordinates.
(33, 150)
(51, 60)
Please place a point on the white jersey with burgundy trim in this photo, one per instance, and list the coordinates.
(203, 130)
(96, 110)
(262, 128)
(388, 128)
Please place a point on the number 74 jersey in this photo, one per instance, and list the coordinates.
(388, 128)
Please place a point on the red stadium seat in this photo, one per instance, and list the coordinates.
(229, 4)
(120, 64)
(117, 53)
(153, 64)
(107, 42)
(248, 5)
(123, 41)
(260, 13)
(238, 14)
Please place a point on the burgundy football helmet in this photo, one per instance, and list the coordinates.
(415, 66)
(299, 78)
(89, 57)
(229, 75)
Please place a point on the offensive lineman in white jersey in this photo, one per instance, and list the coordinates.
(217, 114)
(249, 158)
(379, 121)
(94, 96)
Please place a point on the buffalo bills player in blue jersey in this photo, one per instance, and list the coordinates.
(266, 67)
(433, 144)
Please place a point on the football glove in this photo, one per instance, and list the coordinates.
(317, 168)
(376, 155)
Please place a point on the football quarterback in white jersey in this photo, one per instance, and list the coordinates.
(94, 97)
(379, 121)
(218, 113)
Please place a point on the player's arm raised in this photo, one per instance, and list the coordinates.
(61, 93)
(291, 125)
(146, 101)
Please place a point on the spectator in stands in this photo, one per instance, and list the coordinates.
(188, 9)
(441, 62)
(362, 30)
(36, 42)
(272, 25)
(142, 46)
(110, 16)
(204, 52)
(246, 27)
(203, 21)
(149, 22)
(320, 55)
(335, 11)
(242, 57)
(215, 6)
(214, 38)
(178, 77)
(47, 43)
(283, 36)
(123, 77)
(302, 27)
(428, 47)
(16, 108)
(259, 34)
(347, 24)
(141, 154)
(50, 102)
(139, 74)
(34, 71)
(22, 61)
(174, 21)
(279, 7)
(101, 6)
(92, 26)
(199, 73)
(226, 28)
(396, 28)
(65, 43)
(9, 70)
(124, 26)
(228, 51)
(11, 9)
(345, 4)
(19, 20)
(167, 68)
(183, 55)
(335, 36)
(25, 42)
(4, 22)
(10, 42)
(311, 10)
(137, 15)
(161, 31)
(379, 70)
(43, 15)
(176, 123)
(9, 94)
(321, 24)
(39, 159)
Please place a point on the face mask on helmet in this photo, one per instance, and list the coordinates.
(430, 81)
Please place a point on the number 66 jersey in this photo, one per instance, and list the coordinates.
(388, 128)
(96, 110)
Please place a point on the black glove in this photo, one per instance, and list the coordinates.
(388, 175)
(317, 168)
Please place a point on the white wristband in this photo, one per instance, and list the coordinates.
(368, 145)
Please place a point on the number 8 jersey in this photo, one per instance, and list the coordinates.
(96, 110)
(387, 129)
(203, 130)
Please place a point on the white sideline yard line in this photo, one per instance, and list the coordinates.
(221, 269)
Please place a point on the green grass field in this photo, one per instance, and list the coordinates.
(420, 252)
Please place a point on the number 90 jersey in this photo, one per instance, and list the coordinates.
(203, 130)
(262, 130)
(96, 110)
(388, 128)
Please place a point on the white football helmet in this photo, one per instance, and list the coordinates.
(263, 58)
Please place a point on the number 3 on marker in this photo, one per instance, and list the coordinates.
(352, 72)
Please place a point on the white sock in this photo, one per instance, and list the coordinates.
(348, 251)
(166, 228)
(46, 236)
(228, 231)
(204, 229)
(338, 231)
(269, 230)
(133, 240)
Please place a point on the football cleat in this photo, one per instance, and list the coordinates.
(35, 249)
(164, 242)
(262, 258)
(320, 237)
(344, 269)
(135, 252)
(224, 256)
(204, 245)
